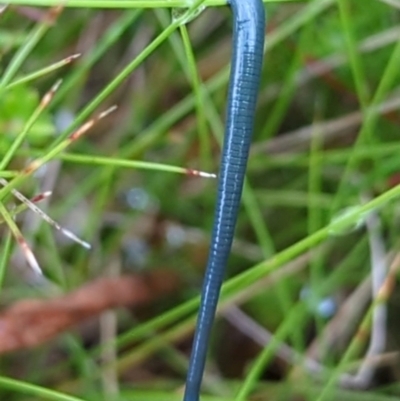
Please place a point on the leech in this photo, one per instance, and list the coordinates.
(246, 65)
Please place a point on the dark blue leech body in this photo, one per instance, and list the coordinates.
(246, 65)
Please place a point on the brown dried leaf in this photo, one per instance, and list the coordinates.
(31, 322)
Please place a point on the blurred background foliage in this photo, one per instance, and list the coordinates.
(326, 142)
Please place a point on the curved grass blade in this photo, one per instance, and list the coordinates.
(29, 256)
(22, 207)
(46, 99)
(37, 163)
(45, 217)
(33, 39)
(43, 71)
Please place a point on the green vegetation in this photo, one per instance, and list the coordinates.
(320, 215)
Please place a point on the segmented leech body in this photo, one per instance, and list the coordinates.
(246, 65)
